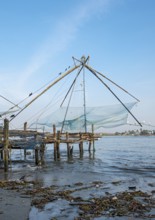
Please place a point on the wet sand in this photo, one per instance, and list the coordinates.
(23, 200)
(14, 205)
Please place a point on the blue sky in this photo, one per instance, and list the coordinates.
(38, 39)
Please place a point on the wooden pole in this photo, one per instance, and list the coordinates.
(90, 142)
(58, 144)
(68, 147)
(47, 88)
(25, 126)
(55, 142)
(1, 140)
(93, 137)
(25, 129)
(36, 155)
(42, 151)
(6, 144)
(81, 144)
(2, 154)
(92, 71)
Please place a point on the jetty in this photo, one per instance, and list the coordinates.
(36, 141)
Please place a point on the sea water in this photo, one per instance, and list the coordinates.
(127, 160)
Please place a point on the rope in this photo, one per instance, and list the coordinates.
(83, 63)
(45, 90)
(113, 94)
(43, 110)
(113, 83)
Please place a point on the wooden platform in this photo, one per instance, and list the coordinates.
(36, 141)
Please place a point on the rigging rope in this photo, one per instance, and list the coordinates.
(113, 83)
(42, 111)
(113, 94)
(47, 88)
(83, 63)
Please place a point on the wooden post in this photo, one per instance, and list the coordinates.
(90, 142)
(1, 141)
(2, 154)
(81, 144)
(25, 126)
(58, 144)
(36, 155)
(6, 144)
(55, 142)
(42, 151)
(93, 137)
(25, 129)
(68, 147)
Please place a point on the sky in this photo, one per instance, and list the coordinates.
(39, 38)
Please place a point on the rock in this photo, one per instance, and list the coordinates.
(114, 198)
(151, 184)
(132, 187)
(116, 182)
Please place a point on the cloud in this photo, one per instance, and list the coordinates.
(62, 36)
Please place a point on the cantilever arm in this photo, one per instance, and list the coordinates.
(52, 84)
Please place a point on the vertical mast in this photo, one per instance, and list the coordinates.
(83, 59)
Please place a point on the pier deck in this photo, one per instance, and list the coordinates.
(36, 141)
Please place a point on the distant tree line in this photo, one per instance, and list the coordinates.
(137, 132)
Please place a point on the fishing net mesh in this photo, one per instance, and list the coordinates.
(75, 118)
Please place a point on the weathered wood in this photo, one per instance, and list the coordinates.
(68, 147)
(55, 138)
(42, 151)
(58, 144)
(2, 154)
(81, 143)
(36, 155)
(55, 142)
(6, 144)
(25, 154)
(93, 137)
(90, 142)
(25, 129)
(25, 126)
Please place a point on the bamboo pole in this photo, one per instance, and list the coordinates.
(6, 144)
(93, 137)
(25, 129)
(68, 147)
(112, 82)
(47, 88)
(25, 126)
(92, 71)
(37, 155)
(58, 144)
(81, 144)
(55, 142)
(42, 152)
(1, 154)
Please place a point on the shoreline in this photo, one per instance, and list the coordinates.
(23, 199)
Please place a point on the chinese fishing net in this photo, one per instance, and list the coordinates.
(75, 118)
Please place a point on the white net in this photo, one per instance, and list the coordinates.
(76, 120)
